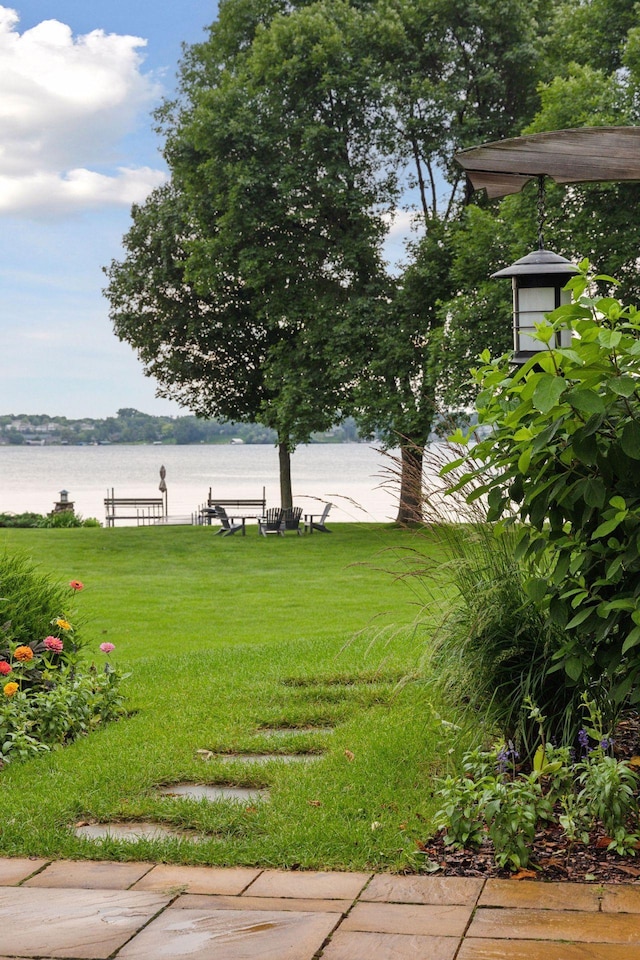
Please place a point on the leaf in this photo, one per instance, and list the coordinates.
(586, 401)
(623, 386)
(630, 440)
(606, 528)
(594, 492)
(580, 617)
(538, 759)
(547, 392)
(573, 668)
(632, 640)
(524, 875)
(609, 339)
(350, 756)
(536, 588)
(585, 447)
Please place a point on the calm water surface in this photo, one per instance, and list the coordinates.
(351, 476)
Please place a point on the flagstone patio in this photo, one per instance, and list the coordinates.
(95, 910)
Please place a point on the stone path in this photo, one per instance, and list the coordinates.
(94, 910)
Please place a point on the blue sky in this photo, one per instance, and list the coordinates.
(78, 84)
(76, 149)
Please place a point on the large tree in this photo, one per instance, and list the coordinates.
(279, 192)
(451, 76)
(298, 130)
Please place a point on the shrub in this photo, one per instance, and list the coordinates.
(493, 651)
(48, 696)
(563, 457)
(29, 604)
(64, 519)
(496, 800)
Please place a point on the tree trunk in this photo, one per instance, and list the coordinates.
(286, 496)
(410, 506)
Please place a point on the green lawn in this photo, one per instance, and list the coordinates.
(222, 638)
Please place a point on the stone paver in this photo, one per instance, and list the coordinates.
(15, 870)
(94, 910)
(89, 874)
(264, 903)
(432, 920)
(544, 950)
(619, 899)
(389, 946)
(215, 880)
(88, 924)
(445, 890)
(554, 896)
(231, 935)
(530, 924)
(301, 883)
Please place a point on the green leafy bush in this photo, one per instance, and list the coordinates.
(495, 799)
(563, 457)
(48, 695)
(64, 519)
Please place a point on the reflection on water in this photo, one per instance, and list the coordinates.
(351, 476)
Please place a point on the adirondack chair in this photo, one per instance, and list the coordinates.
(272, 522)
(315, 521)
(292, 519)
(228, 525)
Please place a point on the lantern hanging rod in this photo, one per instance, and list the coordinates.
(541, 211)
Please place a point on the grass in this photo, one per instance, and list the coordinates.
(224, 637)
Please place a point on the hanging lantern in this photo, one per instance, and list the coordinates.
(538, 280)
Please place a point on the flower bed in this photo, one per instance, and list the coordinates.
(50, 693)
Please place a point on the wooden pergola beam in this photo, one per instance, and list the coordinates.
(582, 155)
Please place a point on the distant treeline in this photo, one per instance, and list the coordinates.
(132, 426)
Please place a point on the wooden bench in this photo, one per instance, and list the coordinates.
(235, 506)
(144, 510)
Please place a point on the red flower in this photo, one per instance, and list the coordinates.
(76, 585)
(5, 668)
(54, 644)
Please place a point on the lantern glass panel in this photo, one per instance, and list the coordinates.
(530, 306)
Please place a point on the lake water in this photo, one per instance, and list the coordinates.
(351, 476)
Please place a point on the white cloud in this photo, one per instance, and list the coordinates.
(65, 104)
(50, 193)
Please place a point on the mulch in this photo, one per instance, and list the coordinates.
(553, 857)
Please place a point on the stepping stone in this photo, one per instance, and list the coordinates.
(288, 731)
(213, 793)
(132, 832)
(262, 758)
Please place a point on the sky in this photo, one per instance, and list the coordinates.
(79, 82)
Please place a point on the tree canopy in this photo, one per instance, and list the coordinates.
(257, 285)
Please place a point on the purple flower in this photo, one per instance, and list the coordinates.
(583, 739)
(506, 758)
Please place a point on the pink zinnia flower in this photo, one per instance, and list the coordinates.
(5, 668)
(76, 584)
(53, 643)
(107, 647)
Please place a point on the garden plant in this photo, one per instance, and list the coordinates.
(557, 471)
(49, 694)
